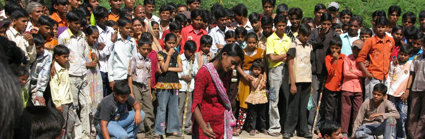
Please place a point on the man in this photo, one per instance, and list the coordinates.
(35, 10)
(352, 34)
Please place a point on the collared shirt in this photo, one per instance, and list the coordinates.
(60, 86)
(140, 69)
(398, 77)
(120, 57)
(302, 61)
(50, 44)
(17, 37)
(62, 23)
(40, 73)
(352, 75)
(153, 18)
(113, 17)
(78, 49)
(292, 35)
(386, 107)
(418, 67)
(188, 33)
(347, 41)
(334, 80)
(218, 38)
(247, 26)
(105, 38)
(379, 52)
(161, 29)
(277, 46)
(31, 28)
(188, 69)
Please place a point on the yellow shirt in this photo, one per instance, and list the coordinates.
(277, 46)
(60, 86)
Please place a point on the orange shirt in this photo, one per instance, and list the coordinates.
(49, 45)
(334, 80)
(113, 17)
(247, 61)
(379, 52)
(61, 23)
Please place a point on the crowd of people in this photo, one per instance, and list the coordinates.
(75, 69)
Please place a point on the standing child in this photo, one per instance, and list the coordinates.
(365, 34)
(139, 80)
(167, 88)
(39, 76)
(251, 53)
(23, 76)
(397, 34)
(240, 36)
(204, 56)
(267, 30)
(60, 8)
(352, 93)
(229, 37)
(396, 82)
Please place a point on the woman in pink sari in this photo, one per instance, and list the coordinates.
(212, 112)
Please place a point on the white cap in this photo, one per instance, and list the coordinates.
(334, 4)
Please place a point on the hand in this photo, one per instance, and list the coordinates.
(111, 84)
(395, 61)
(114, 37)
(52, 69)
(369, 75)
(179, 38)
(366, 63)
(249, 78)
(405, 96)
(373, 116)
(101, 46)
(28, 37)
(284, 57)
(137, 118)
(186, 78)
(293, 89)
(335, 55)
(40, 100)
(208, 131)
(171, 52)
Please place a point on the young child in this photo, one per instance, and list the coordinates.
(244, 86)
(113, 25)
(397, 33)
(45, 30)
(189, 32)
(267, 27)
(379, 55)
(365, 34)
(300, 76)
(139, 80)
(204, 56)
(167, 88)
(255, 20)
(229, 37)
(416, 85)
(330, 130)
(396, 82)
(190, 68)
(114, 118)
(40, 70)
(240, 36)
(23, 76)
(352, 93)
(332, 95)
(60, 89)
(377, 116)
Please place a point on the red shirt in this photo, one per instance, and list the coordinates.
(206, 97)
(334, 80)
(188, 33)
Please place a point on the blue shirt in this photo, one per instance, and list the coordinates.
(346, 43)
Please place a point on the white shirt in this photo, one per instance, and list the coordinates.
(78, 49)
(247, 26)
(105, 38)
(153, 18)
(17, 37)
(186, 69)
(29, 27)
(120, 57)
(218, 38)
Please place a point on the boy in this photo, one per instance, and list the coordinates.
(194, 31)
(129, 4)
(393, 15)
(59, 15)
(60, 89)
(376, 116)
(181, 8)
(352, 93)
(241, 16)
(295, 16)
(45, 30)
(267, 27)
(378, 50)
(22, 73)
(422, 21)
(123, 49)
(330, 130)
(408, 19)
(345, 16)
(319, 9)
(240, 36)
(149, 9)
(40, 69)
(114, 118)
(255, 18)
(190, 68)
(299, 66)
(139, 79)
(165, 18)
(204, 55)
(396, 82)
(45, 122)
(218, 32)
(332, 93)
(365, 34)
(416, 84)
(268, 8)
(416, 43)
(277, 46)
(193, 4)
(74, 39)
(16, 34)
(333, 10)
(348, 38)
(114, 14)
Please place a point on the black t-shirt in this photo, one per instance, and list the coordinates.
(109, 109)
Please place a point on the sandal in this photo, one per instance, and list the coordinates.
(252, 133)
(274, 134)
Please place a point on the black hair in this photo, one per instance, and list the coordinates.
(406, 49)
(60, 50)
(397, 28)
(381, 20)
(279, 18)
(123, 21)
(241, 31)
(73, 16)
(6, 23)
(240, 10)
(124, 12)
(378, 13)
(44, 20)
(154, 23)
(219, 13)
(175, 26)
(380, 87)
(305, 29)
(169, 36)
(296, 11)
(121, 87)
(11, 6)
(266, 20)
(20, 70)
(319, 7)
(38, 40)
(147, 35)
(83, 11)
(166, 7)
(281, 8)
(195, 13)
(192, 1)
(258, 63)
(336, 40)
(394, 8)
(345, 12)
(254, 17)
(216, 7)
(206, 16)
(46, 122)
(207, 40)
(181, 18)
(90, 30)
(336, 25)
(138, 19)
(307, 20)
(326, 17)
(409, 15)
(231, 50)
(422, 14)
(182, 5)
(229, 34)
(418, 36)
(19, 13)
(190, 46)
(272, 2)
(148, 2)
(61, 2)
(229, 13)
(251, 35)
(366, 31)
(144, 40)
(11, 53)
(100, 12)
(110, 23)
(53, 22)
(328, 127)
(357, 18)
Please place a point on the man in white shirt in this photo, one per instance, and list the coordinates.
(218, 32)
(149, 8)
(35, 10)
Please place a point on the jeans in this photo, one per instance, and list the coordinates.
(386, 128)
(275, 81)
(401, 122)
(167, 99)
(369, 84)
(124, 128)
(106, 88)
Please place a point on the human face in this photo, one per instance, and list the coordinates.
(221, 23)
(393, 17)
(229, 21)
(121, 98)
(230, 40)
(137, 27)
(3, 31)
(238, 18)
(229, 63)
(155, 29)
(256, 26)
(303, 38)
(115, 4)
(251, 44)
(403, 57)
(355, 51)
(149, 8)
(256, 71)
(145, 49)
(39, 49)
(268, 9)
(295, 21)
(377, 96)
(139, 12)
(197, 22)
(345, 18)
(354, 28)
(364, 37)
(126, 30)
(240, 39)
(318, 14)
(195, 5)
(407, 22)
(326, 25)
(36, 13)
(165, 15)
(181, 9)
(280, 28)
(45, 30)
(171, 43)
(335, 135)
(94, 3)
(62, 59)
(75, 3)
(335, 49)
(21, 23)
(55, 31)
(380, 30)
(205, 48)
(23, 80)
(129, 3)
(189, 54)
(267, 30)
(338, 31)
(416, 44)
(92, 39)
(74, 26)
(398, 35)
